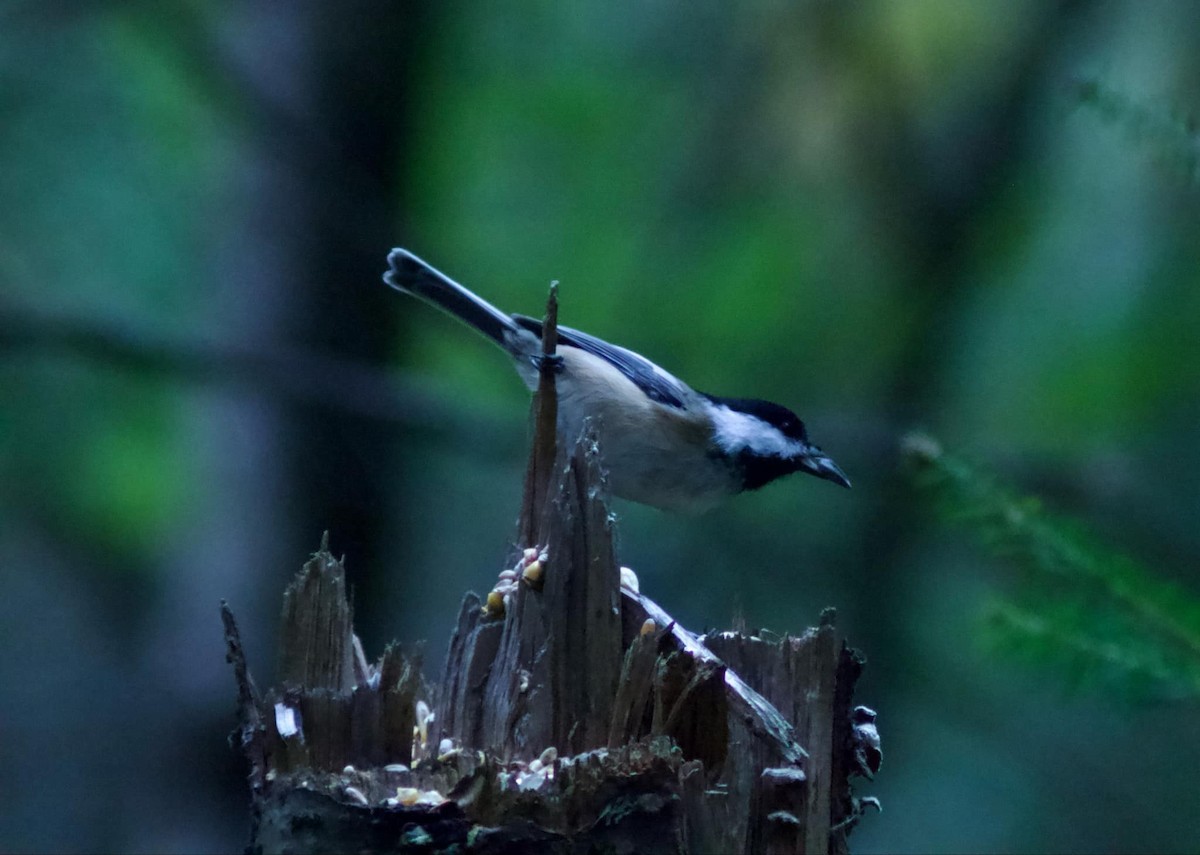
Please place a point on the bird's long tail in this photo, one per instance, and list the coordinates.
(411, 275)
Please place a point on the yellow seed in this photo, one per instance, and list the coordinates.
(407, 795)
(533, 573)
(495, 604)
(649, 627)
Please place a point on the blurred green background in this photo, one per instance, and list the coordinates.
(977, 218)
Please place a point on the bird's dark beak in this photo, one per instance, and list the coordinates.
(817, 463)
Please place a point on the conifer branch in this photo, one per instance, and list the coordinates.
(1077, 600)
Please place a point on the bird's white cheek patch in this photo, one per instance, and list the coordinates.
(740, 431)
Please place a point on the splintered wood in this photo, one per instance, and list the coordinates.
(576, 717)
(546, 674)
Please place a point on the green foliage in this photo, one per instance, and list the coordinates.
(1170, 134)
(1100, 617)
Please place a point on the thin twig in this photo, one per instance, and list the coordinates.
(545, 416)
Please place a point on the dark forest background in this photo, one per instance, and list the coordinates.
(980, 220)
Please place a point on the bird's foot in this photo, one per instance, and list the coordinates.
(550, 363)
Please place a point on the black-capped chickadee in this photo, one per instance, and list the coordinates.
(664, 444)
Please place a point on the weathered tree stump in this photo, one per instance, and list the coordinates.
(573, 714)
(661, 741)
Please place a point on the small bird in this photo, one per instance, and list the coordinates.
(664, 444)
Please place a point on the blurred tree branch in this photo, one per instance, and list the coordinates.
(295, 374)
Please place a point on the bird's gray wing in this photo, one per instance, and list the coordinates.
(656, 383)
